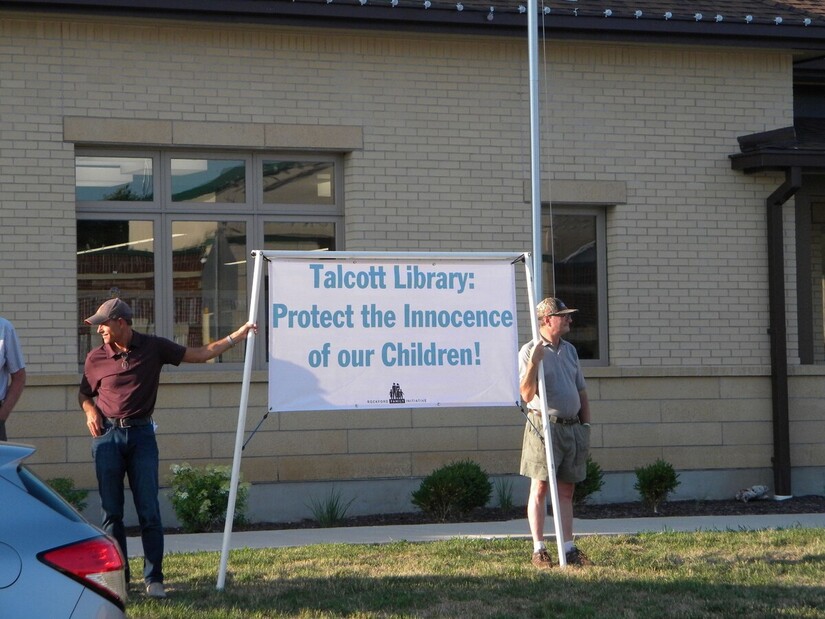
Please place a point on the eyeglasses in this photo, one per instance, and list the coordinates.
(565, 316)
(124, 360)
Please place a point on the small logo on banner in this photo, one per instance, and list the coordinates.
(396, 394)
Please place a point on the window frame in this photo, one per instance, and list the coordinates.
(253, 212)
(600, 214)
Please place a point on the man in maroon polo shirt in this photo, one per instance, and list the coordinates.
(118, 392)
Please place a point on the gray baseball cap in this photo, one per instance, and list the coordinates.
(110, 310)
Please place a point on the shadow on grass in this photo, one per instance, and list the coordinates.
(502, 597)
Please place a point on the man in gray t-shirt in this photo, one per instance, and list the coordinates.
(569, 413)
(12, 372)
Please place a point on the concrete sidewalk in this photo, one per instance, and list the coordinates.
(486, 530)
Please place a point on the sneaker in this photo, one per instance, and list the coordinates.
(155, 590)
(541, 559)
(577, 557)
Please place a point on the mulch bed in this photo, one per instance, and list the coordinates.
(811, 504)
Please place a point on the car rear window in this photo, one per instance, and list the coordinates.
(45, 494)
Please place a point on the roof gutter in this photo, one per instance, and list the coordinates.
(444, 17)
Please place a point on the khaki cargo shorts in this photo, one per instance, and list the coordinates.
(571, 446)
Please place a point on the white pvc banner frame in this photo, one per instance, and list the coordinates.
(508, 371)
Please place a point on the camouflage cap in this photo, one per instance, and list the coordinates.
(553, 307)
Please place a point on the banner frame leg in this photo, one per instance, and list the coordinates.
(239, 434)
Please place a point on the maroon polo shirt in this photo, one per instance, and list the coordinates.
(131, 391)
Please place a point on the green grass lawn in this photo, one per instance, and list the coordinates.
(705, 574)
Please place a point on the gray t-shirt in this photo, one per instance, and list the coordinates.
(11, 356)
(563, 379)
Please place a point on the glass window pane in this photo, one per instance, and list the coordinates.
(209, 282)
(209, 180)
(299, 182)
(299, 236)
(113, 178)
(295, 236)
(115, 258)
(818, 279)
(572, 260)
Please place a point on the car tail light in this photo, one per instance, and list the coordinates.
(96, 563)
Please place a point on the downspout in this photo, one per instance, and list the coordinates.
(778, 334)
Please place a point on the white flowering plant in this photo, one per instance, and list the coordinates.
(200, 496)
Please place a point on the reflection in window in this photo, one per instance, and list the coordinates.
(298, 182)
(818, 279)
(208, 180)
(572, 259)
(299, 236)
(209, 282)
(113, 178)
(295, 236)
(114, 259)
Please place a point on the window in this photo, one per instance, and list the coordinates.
(304, 236)
(218, 181)
(818, 280)
(99, 179)
(574, 266)
(208, 281)
(179, 251)
(298, 182)
(115, 257)
(807, 101)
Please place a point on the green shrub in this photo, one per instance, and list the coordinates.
(329, 512)
(655, 481)
(591, 484)
(200, 496)
(64, 486)
(504, 494)
(453, 490)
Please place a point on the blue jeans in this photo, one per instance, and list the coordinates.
(132, 452)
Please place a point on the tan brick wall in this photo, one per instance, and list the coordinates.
(444, 158)
(807, 438)
(441, 129)
(445, 133)
(698, 423)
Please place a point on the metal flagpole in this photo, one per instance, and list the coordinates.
(236, 461)
(545, 423)
(534, 290)
(535, 141)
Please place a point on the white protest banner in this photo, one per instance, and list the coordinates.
(381, 333)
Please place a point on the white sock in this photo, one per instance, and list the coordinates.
(538, 546)
(568, 546)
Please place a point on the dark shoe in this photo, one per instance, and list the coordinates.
(541, 559)
(577, 557)
(155, 590)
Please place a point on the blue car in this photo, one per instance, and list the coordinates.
(53, 562)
